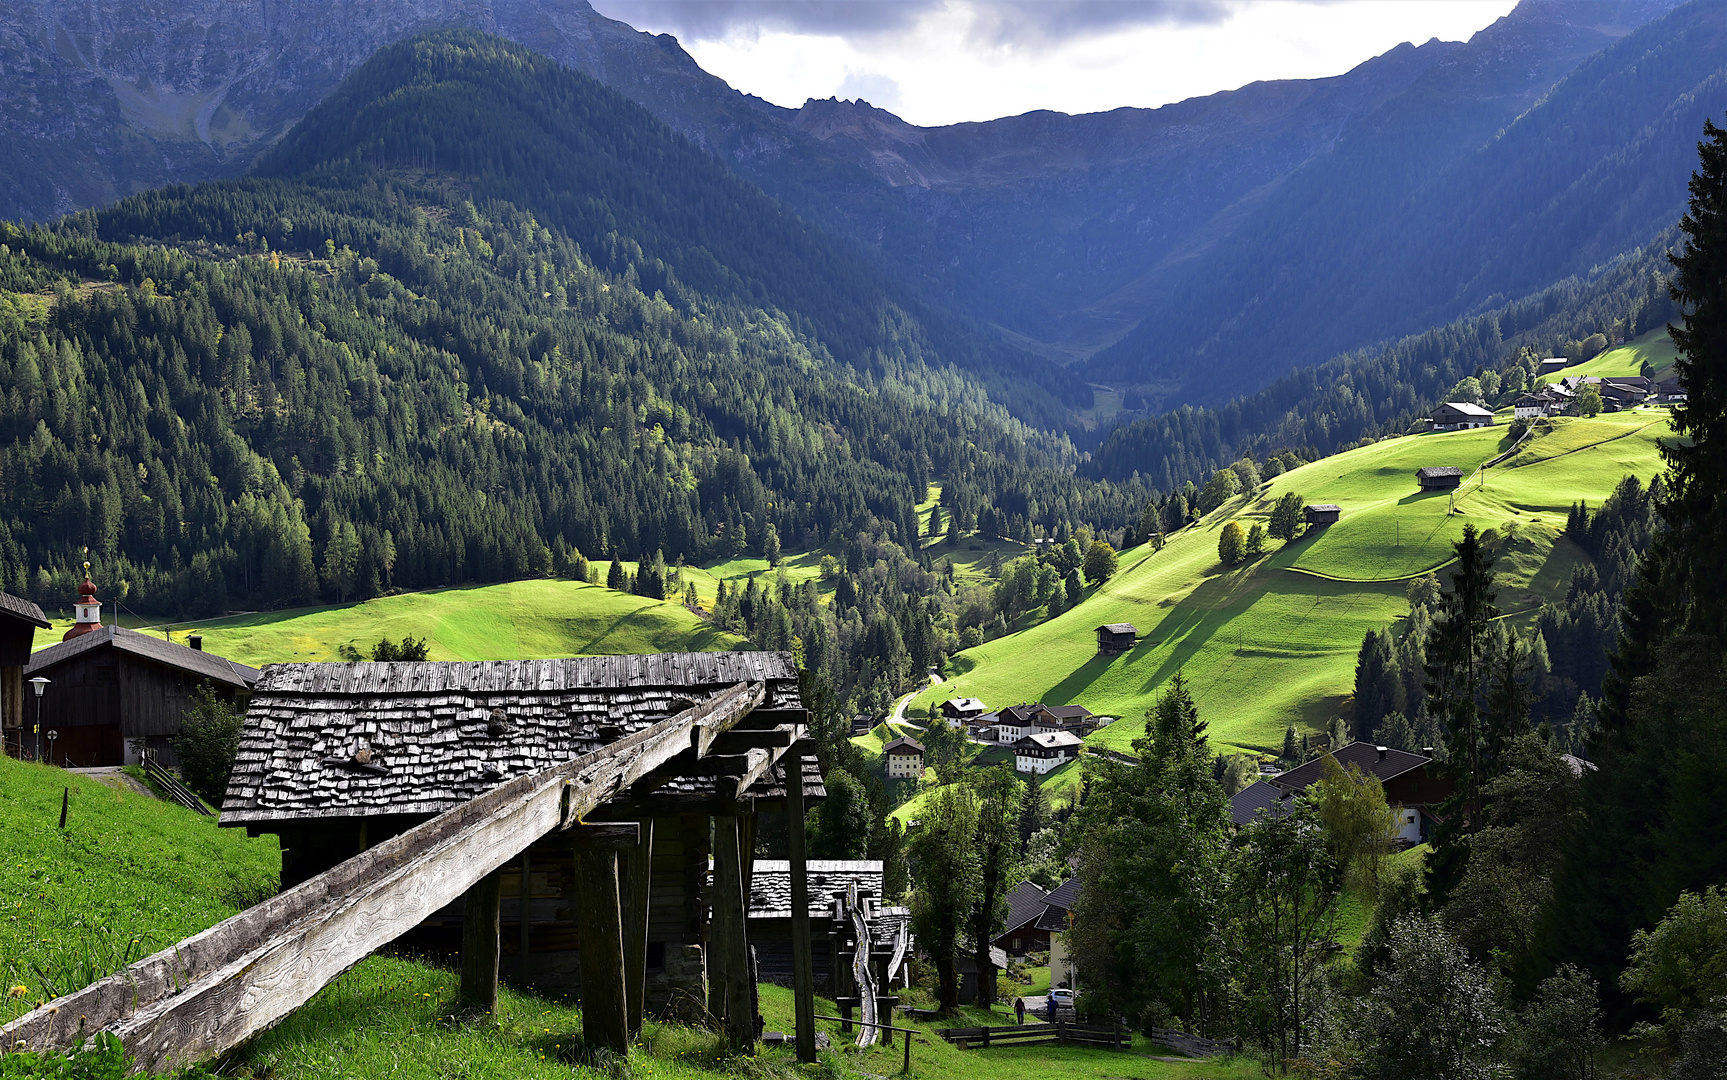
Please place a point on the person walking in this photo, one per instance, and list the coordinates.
(1019, 1010)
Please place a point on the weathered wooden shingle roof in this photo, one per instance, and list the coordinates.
(19, 608)
(1432, 471)
(364, 739)
(771, 884)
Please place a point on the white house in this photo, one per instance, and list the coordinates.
(1460, 416)
(1045, 750)
(904, 758)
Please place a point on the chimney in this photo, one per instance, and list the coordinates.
(197, 643)
(1381, 750)
(1427, 751)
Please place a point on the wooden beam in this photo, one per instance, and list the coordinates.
(728, 938)
(604, 836)
(768, 718)
(479, 988)
(766, 739)
(600, 941)
(214, 990)
(635, 888)
(803, 971)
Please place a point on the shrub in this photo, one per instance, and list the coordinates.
(207, 744)
(411, 648)
(1256, 541)
(1232, 544)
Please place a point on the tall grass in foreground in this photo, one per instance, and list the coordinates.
(127, 876)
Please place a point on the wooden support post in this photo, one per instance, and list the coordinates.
(729, 941)
(479, 992)
(600, 941)
(636, 867)
(522, 925)
(803, 974)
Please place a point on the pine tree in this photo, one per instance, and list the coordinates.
(1456, 649)
(1696, 509)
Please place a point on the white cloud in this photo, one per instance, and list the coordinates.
(956, 60)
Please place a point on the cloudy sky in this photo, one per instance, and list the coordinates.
(944, 61)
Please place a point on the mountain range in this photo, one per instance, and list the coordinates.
(1185, 254)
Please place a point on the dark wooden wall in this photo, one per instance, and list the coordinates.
(136, 697)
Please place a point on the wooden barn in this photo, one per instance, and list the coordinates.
(337, 758)
(111, 688)
(1116, 637)
(1323, 513)
(19, 621)
(1438, 477)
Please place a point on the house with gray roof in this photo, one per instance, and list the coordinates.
(113, 691)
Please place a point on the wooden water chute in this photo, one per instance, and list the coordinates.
(599, 808)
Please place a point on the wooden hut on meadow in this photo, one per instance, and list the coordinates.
(335, 758)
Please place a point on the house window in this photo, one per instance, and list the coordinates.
(1016, 947)
(656, 956)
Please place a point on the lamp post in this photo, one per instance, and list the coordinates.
(40, 684)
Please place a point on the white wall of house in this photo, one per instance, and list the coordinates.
(904, 765)
(1409, 824)
(1027, 763)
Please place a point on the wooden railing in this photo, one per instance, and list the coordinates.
(168, 782)
(1191, 1045)
(1115, 1037)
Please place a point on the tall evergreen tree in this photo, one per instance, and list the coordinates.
(1456, 669)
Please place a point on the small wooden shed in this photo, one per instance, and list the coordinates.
(19, 621)
(1438, 477)
(1323, 513)
(112, 686)
(1116, 637)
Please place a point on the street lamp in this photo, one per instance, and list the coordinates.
(40, 684)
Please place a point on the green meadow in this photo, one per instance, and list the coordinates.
(1273, 641)
(128, 875)
(516, 620)
(1656, 347)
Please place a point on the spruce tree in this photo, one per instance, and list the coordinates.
(1456, 671)
(1696, 509)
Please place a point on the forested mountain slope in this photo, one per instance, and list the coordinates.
(1389, 390)
(259, 392)
(1245, 233)
(1428, 211)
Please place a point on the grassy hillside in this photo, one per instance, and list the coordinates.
(518, 620)
(127, 876)
(1656, 347)
(1273, 642)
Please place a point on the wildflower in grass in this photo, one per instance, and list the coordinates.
(18, 991)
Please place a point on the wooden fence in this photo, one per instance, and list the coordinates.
(1115, 1037)
(1191, 1045)
(168, 782)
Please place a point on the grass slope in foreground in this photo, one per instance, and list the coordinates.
(386, 1018)
(517, 620)
(127, 876)
(1274, 641)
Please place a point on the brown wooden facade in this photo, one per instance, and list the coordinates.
(19, 621)
(115, 689)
